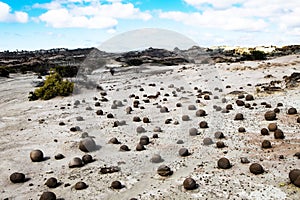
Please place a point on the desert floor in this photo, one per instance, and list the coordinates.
(28, 125)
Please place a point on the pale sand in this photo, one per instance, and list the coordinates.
(19, 136)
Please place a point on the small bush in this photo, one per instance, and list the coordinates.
(4, 72)
(54, 86)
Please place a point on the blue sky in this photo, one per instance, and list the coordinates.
(44, 24)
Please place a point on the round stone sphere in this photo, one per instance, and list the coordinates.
(264, 131)
(87, 158)
(183, 152)
(80, 185)
(256, 168)
(272, 127)
(193, 132)
(48, 196)
(201, 113)
(156, 158)
(294, 174)
(51, 182)
(292, 111)
(164, 170)
(270, 115)
(278, 134)
(75, 162)
(189, 184)
(17, 177)
(87, 145)
(116, 185)
(266, 144)
(36, 155)
(224, 163)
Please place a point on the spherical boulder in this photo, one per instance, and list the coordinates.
(201, 113)
(164, 170)
(87, 145)
(164, 109)
(193, 132)
(207, 141)
(185, 118)
(203, 124)
(144, 140)
(256, 168)
(264, 131)
(239, 116)
(189, 184)
(183, 152)
(272, 127)
(17, 177)
(220, 144)
(36, 155)
(156, 158)
(48, 196)
(140, 129)
(116, 185)
(278, 134)
(266, 144)
(114, 141)
(51, 182)
(292, 111)
(294, 175)
(249, 97)
(270, 116)
(241, 130)
(192, 107)
(219, 135)
(75, 162)
(224, 163)
(87, 158)
(80, 185)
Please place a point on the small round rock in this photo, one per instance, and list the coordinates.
(124, 148)
(207, 141)
(75, 162)
(189, 184)
(256, 168)
(51, 182)
(140, 147)
(219, 135)
(17, 177)
(264, 131)
(272, 127)
(292, 111)
(266, 144)
(193, 132)
(87, 145)
(278, 134)
(36, 155)
(48, 196)
(224, 163)
(183, 152)
(80, 185)
(270, 116)
(203, 124)
(156, 158)
(164, 170)
(116, 185)
(87, 158)
(294, 174)
(239, 116)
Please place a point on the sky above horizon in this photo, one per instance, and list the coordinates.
(45, 24)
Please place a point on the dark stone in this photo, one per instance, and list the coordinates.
(189, 184)
(240, 103)
(184, 152)
(99, 112)
(17, 177)
(224, 163)
(144, 140)
(80, 185)
(256, 168)
(87, 159)
(201, 113)
(140, 147)
(87, 145)
(292, 111)
(266, 144)
(114, 141)
(59, 156)
(52, 182)
(219, 135)
(249, 97)
(272, 127)
(203, 124)
(48, 196)
(239, 116)
(294, 174)
(278, 134)
(116, 185)
(124, 148)
(264, 131)
(36, 156)
(270, 115)
(220, 144)
(241, 130)
(164, 170)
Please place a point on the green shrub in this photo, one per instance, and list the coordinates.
(4, 72)
(54, 86)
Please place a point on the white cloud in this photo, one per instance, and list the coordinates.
(241, 15)
(89, 14)
(6, 15)
(216, 19)
(219, 4)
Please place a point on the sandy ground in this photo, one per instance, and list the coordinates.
(21, 131)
